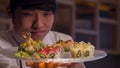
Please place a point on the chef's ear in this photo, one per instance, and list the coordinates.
(8, 11)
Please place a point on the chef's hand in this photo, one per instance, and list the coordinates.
(76, 65)
(46, 65)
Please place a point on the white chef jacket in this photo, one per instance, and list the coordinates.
(13, 39)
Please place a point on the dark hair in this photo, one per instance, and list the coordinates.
(46, 5)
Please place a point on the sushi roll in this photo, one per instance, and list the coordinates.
(89, 50)
(82, 49)
(76, 52)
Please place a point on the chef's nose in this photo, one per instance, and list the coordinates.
(38, 21)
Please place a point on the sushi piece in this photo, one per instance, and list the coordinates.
(48, 52)
(76, 53)
(89, 50)
(82, 49)
(66, 45)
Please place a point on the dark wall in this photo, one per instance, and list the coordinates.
(107, 62)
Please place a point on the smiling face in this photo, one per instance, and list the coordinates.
(38, 22)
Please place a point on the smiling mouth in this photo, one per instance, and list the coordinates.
(38, 32)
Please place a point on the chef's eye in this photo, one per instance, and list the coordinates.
(28, 14)
(47, 13)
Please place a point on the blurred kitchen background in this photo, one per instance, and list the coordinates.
(95, 21)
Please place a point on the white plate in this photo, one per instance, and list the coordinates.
(99, 54)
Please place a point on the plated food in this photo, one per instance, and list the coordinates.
(60, 49)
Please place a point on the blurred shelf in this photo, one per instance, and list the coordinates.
(108, 21)
(110, 1)
(85, 31)
(82, 20)
(66, 2)
(84, 24)
(113, 52)
(88, 0)
(4, 20)
(95, 21)
(5, 24)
